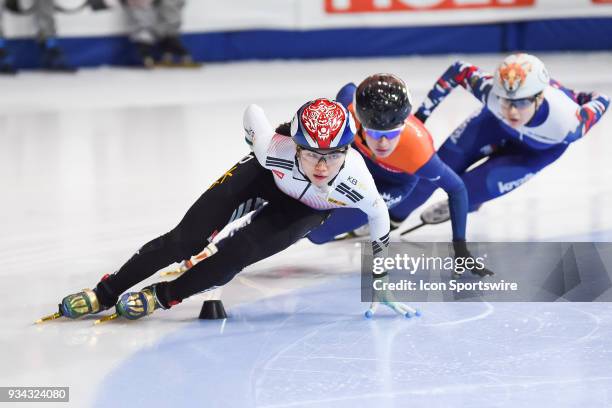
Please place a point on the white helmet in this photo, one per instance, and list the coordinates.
(520, 76)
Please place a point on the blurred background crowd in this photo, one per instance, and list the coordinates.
(154, 27)
(63, 35)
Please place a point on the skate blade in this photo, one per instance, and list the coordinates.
(416, 227)
(54, 316)
(106, 318)
(174, 272)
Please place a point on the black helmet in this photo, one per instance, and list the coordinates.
(382, 102)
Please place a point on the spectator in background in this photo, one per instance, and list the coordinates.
(52, 58)
(155, 28)
(7, 65)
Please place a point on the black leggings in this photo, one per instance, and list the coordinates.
(276, 226)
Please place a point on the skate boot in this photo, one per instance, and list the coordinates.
(174, 54)
(53, 57)
(6, 61)
(146, 54)
(76, 305)
(134, 305)
(80, 304)
(436, 213)
(461, 250)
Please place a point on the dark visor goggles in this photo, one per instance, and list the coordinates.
(518, 103)
(379, 134)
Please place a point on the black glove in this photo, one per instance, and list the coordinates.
(461, 251)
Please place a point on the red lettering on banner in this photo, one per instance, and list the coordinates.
(369, 6)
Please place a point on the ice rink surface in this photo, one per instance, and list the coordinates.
(95, 164)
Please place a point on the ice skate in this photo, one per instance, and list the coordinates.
(187, 264)
(53, 58)
(146, 54)
(135, 305)
(436, 213)
(175, 55)
(181, 269)
(6, 63)
(75, 306)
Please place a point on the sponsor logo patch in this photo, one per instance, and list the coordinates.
(511, 185)
(340, 203)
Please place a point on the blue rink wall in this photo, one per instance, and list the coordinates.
(584, 34)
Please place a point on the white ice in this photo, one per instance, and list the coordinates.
(95, 164)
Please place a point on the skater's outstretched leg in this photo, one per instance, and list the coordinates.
(206, 217)
(246, 180)
(274, 228)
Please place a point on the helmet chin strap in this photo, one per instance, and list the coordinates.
(538, 105)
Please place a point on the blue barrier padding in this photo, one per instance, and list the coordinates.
(584, 34)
